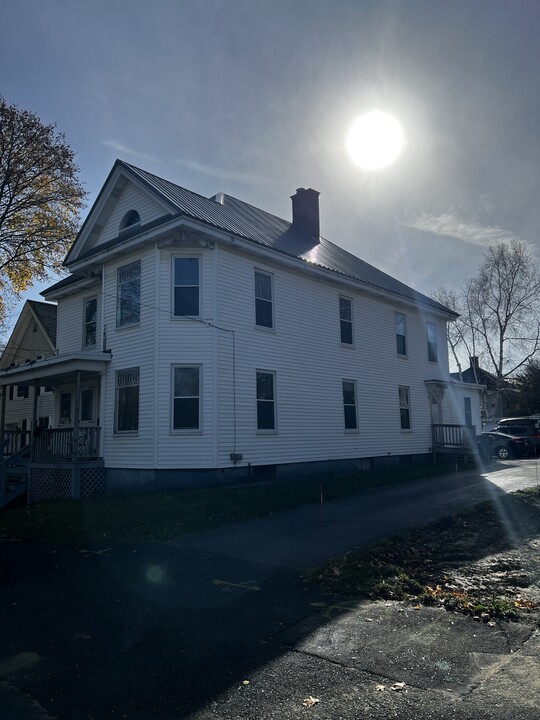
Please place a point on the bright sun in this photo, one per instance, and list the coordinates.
(375, 140)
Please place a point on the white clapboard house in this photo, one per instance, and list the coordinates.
(203, 340)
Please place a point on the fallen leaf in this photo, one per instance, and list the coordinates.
(310, 701)
(369, 619)
(380, 688)
(398, 686)
(245, 682)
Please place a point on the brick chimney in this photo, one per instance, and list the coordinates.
(305, 211)
(474, 362)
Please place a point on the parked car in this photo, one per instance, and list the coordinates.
(522, 427)
(504, 445)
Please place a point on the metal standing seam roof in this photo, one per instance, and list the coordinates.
(247, 221)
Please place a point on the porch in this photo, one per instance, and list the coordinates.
(52, 444)
(455, 440)
(59, 463)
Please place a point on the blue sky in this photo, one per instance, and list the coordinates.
(254, 98)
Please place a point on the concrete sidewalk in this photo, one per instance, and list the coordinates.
(222, 625)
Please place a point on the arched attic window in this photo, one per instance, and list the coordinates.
(132, 217)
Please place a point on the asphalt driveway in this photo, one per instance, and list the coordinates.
(222, 624)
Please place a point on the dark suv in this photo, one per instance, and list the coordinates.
(525, 427)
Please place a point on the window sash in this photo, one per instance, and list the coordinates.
(468, 411)
(127, 400)
(90, 322)
(186, 398)
(264, 310)
(186, 286)
(266, 405)
(349, 404)
(432, 342)
(345, 320)
(128, 302)
(405, 408)
(401, 334)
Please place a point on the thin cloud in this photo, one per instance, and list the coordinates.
(220, 172)
(451, 225)
(122, 149)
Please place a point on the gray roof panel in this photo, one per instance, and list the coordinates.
(247, 221)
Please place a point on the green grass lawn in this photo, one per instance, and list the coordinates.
(166, 515)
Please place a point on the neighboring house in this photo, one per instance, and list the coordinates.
(494, 397)
(33, 338)
(206, 340)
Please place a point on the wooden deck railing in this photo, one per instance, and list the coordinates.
(51, 443)
(13, 441)
(454, 436)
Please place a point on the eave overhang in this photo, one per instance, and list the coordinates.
(54, 369)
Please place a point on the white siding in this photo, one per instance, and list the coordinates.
(304, 351)
(182, 341)
(70, 322)
(131, 198)
(131, 346)
(310, 362)
(20, 408)
(32, 345)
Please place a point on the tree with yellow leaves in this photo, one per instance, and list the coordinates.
(40, 200)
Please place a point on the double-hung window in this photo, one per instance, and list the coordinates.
(346, 320)
(405, 407)
(266, 400)
(90, 322)
(186, 292)
(128, 299)
(433, 354)
(349, 404)
(186, 398)
(401, 334)
(264, 307)
(127, 400)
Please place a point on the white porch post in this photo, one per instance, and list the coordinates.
(76, 414)
(34, 418)
(3, 416)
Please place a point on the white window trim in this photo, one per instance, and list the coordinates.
(136, 323)
(354, 383)
(351, 301)
(186, 431)
(409, 408)
(274, 430)
(264, 328)
(185, 256)
(428, 323)
(406, 353)
(84, 323)
(118, 432)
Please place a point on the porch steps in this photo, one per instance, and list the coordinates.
(13, 477)
(16, 486)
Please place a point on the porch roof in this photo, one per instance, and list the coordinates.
(55, 369)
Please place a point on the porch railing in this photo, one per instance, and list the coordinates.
(65, 443)
(454, 436)
(13, 441)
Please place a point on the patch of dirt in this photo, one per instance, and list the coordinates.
(484, 562)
